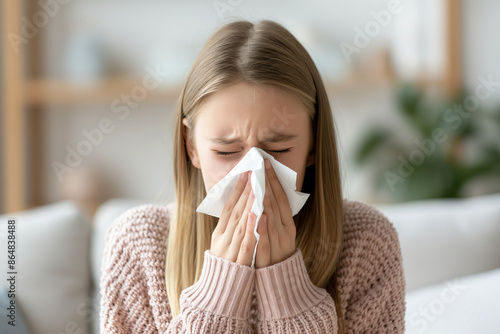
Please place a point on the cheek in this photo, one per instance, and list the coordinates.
(215, 169)
(223, 167)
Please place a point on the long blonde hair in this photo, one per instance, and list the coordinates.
(260, 53)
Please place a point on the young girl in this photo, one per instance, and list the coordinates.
(335, 267)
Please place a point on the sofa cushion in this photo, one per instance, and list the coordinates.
(103, 218)
(446, 238)
(53, 267)
(469, 304)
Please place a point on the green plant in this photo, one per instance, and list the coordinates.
(445, 170)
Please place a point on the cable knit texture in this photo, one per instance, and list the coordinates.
(234, 298)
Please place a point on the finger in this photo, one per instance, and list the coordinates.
(272, 225)
(237, 213)
(268, 209)
(286, 232)
(247, 247)
(279, 197)
(274, 208)
(240, 230)
(263, 257)
(231, 203)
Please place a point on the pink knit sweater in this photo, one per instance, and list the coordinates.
(234, 298)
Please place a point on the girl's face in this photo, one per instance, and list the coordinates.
(241, 116)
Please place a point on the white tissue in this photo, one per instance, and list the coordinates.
(213, 203)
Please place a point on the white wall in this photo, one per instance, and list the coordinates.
(136, 157)
(481, 46)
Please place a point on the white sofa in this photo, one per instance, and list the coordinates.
(451, 259)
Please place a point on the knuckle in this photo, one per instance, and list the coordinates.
(249, 219)
(235, 216)
(239, 230)
(246, 247)
(227, 207)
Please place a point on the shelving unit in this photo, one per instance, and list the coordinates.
(23, 100)
(13, 138)
(59, 92)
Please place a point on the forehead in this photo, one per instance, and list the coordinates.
(245, 106)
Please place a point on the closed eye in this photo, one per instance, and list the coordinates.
(229, 153)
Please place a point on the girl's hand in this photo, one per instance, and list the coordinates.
(233, 237)
(276, 226)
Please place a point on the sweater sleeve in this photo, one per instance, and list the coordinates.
(288, 302)
(219, 301)
(132, 302)
(371, 275)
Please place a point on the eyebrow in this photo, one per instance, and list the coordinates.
(275, 138)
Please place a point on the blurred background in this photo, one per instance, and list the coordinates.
(392, 70)
(89, 89)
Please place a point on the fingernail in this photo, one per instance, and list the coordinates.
(268, 164)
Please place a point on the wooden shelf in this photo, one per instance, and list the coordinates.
(62, 92)
(360, 86)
